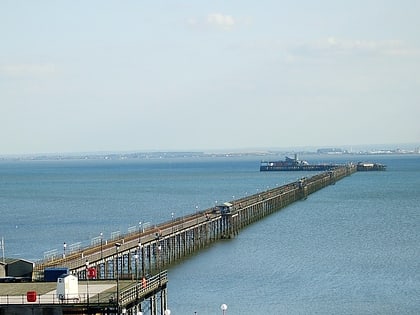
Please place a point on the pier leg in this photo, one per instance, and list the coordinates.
(153, 305)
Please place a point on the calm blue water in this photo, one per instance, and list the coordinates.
(351, 248)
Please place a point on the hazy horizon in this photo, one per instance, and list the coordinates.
(409, 147)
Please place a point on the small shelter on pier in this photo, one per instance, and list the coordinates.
(225, 208)
(67, 287)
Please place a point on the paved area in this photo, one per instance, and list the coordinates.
(15, 293)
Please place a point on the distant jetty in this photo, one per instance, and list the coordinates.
(363, 167)
(294, 164)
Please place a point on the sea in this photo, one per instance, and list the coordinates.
(350, 248)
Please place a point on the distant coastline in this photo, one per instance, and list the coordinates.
(202, 154)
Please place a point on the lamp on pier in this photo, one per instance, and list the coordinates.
(142, 258)
(158, 260)
(136, 260)
(223, 307)
(87, 281)
(117, 246)
(140, 230)
(101, 235)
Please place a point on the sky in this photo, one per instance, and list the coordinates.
(107, 75)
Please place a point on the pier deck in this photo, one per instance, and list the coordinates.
(95, 297)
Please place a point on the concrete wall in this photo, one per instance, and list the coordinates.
(2, 270)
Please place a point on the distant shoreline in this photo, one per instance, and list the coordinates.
(201, 154)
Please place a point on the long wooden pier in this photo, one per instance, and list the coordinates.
(144, 254)
(146, 251)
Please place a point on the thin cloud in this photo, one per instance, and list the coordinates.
(220, 20)
(336, 46)
(214, 21)
(31, 69)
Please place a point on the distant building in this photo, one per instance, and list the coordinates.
(330, 151)
(14, 268)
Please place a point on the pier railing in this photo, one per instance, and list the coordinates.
(51, 298)
(129, 296)
(142, 289)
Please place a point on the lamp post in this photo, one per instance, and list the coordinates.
(140, 230)
(223, 307)
(87, 281)
(136, 258)
(64, 250)
(101, 235)
(158, 261)
(141, 252)
(167, 312)
(117, 246)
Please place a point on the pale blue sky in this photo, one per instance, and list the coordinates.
(79, 76)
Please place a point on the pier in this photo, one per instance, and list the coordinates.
(138, 259)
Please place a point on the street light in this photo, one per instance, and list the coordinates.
(167, 312)
(87, 280)
(64, 249)
(117, 246)
(158, 261)
(223, 307)
(101, 243)
(142, 258)
(140, 230)
(136, 259)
